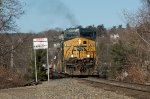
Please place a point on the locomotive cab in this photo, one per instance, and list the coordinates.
(79, 50)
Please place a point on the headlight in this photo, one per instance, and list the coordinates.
(72, 56)
(88, 56)
(79, 41)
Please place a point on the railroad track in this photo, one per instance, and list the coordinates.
(138, 87)
(137, 91)
(96, 79)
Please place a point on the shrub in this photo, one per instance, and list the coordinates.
(137, 75)
(10, 79)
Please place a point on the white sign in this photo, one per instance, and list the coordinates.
(40, 43)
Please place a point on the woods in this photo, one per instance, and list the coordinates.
(129, 47)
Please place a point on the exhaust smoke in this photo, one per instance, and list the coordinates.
(56, 9)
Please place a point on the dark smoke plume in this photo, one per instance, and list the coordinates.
(56, 8)
(65, 11)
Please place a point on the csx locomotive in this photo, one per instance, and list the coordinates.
(79, 51)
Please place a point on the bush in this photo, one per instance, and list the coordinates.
(137, 75)
(40, 60)
(119, 60)
(10, 79)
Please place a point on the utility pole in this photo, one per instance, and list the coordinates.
(48, 66)
(12, 56)
(35, 67)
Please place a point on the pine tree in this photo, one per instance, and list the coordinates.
(40, 60)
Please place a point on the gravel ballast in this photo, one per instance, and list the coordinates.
(60, 89)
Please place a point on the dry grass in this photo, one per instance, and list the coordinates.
(10, 79)
(137, 75)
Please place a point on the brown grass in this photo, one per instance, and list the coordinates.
(9, 79)
(137, 75)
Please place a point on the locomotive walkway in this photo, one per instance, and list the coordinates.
(66, 88)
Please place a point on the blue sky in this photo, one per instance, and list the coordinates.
(42, 15)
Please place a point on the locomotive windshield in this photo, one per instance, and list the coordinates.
(88, 33)
(81, 32)
(91, 35)
(71, 33)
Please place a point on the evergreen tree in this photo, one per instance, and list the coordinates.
(40, 61)
(119, 56)
(101, 30)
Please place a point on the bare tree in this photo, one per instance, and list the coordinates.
(10, 10)
(138, 40)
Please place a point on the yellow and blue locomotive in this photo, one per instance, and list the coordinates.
(79, 51)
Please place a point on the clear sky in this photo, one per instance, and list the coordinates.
(42, 15)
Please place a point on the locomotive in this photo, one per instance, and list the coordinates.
(79, 51)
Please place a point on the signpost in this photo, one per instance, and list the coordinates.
(40, 43)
